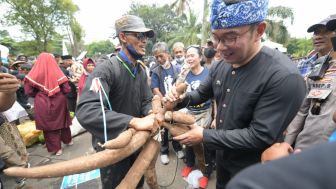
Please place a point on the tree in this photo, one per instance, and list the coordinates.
(39, 18)
(6, 40)
(276, 29)
(189, 33)
(76, 34)
(180, 6)
(99, 48)
(161, 19)
(299, 47)
(205, 23)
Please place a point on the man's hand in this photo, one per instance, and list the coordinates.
(148, 123)
(276, 151)
(213, 124)
(173, 96)
(191, 137)
(8, 83)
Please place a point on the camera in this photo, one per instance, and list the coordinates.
(322, 65)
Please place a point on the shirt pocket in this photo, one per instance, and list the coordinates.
(243, 106)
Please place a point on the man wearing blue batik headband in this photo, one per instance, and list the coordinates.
(258, 90)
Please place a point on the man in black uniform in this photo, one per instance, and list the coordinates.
(125, 82)
(258, 90)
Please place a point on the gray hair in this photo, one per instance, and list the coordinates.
(160, 46)
(177, 45)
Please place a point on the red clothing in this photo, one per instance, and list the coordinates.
(85, 75)
(51, 112)
(46, 75)
(47, 83)
(81, 83)
(53, 139)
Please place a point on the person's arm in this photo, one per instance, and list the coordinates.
(155, 84)
(89, 110)
(6, 101)
(276, 151)
(156, 91)
(203, 93)
(296, 126)
(30, 90)
(8, 86)
(275, 109)
(65, 88)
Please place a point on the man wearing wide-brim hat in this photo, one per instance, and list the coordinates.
(16, 64)
(124, 80)
(258, 90)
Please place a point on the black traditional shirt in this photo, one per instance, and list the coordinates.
(256, 102)
(129, 97)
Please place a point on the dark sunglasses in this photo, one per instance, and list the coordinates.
(139, 36)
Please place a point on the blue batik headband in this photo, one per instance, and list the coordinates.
(238, 14)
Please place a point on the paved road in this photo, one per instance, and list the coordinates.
(169, 176)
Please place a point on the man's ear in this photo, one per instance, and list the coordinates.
(261, 29)
(122, 37)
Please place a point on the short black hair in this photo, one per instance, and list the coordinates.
(197, 47)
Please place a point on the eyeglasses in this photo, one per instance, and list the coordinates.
(229, 39)
(139, 36)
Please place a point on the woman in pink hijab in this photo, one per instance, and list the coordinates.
(89, 66)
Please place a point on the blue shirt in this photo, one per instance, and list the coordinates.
(165, 82)
(194, 82)
(306, 66)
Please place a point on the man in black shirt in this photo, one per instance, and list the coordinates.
(124, 80)
(258, 90)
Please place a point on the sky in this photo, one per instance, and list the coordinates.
(97, 17)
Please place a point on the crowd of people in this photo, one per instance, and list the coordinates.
(251, 103)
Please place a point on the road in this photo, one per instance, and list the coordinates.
(169, 176)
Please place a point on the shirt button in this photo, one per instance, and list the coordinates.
(220, 121)
(228, 90)
(224, 105)
(233, 72)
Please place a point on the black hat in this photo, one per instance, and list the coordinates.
(132, 23)
(322, 23)
(66, 57)
(331, 25)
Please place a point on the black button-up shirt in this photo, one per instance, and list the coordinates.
(256, 102)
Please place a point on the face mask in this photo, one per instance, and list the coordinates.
(209, 52)
(165, 65)
(179, 60)
(133, 52)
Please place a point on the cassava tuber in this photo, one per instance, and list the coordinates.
(140, 165)
(179, 117)
(82, 164)
(121, 141)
